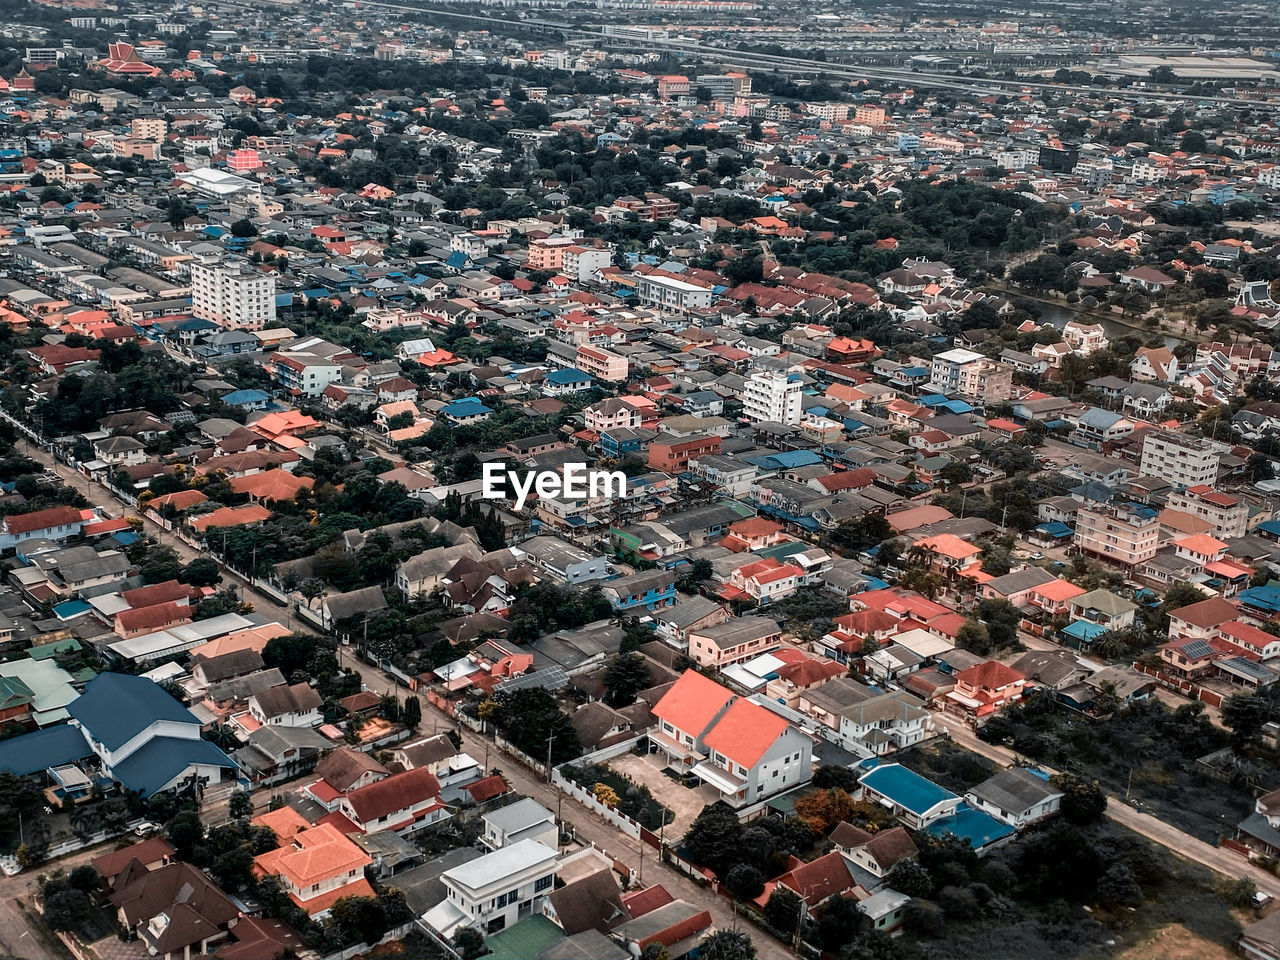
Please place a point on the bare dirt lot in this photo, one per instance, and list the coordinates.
(1176, 942)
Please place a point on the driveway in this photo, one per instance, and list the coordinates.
(684, 803)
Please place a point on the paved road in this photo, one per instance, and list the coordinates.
(1181, 843)
(20, 938)
(589, 828)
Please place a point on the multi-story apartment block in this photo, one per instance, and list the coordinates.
(1122, 534)
(672, 293)
(964, 373)
(1179, 459)
(602, 364)
(772, 398)
(1229, 516)
(233, 296)
(582, 263)
(149, 128)
(306, 374)
(869, 114)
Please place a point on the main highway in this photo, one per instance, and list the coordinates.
(785, 63)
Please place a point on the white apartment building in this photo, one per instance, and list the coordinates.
(233, 296)
(1229, 516)
(672, 294)
(772, 398)
(1179, 459)
(496, 890)
(964, 373)
(582, 263)
(1147, 170)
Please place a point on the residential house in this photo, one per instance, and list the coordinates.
(1017, 796)
(494, 891)
(316, 865)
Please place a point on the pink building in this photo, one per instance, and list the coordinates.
(242, 161)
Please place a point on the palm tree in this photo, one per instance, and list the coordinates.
(1113, 644)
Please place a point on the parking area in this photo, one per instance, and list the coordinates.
(684, 803)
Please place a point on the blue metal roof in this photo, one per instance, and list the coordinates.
(50, 747)
(237, 397)
(1084, 631)
(567, 375)
(116, 707)
(980, 829)
(1056, 529)
(161, 759)
(906, 788)
(1264, 598)
(465, 408)
(786, 459)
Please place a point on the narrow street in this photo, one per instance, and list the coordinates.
(589, 827)
(636, 856)
(1215, 858)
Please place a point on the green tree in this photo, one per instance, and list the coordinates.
(744, 881)
(411, 715)
(714, 836)
(469, 942)
(1083, 801)
(727, 945)
(201, 572)
(1244, 714)
(85, 877)
(626, 675)
(975, 638)
(240, 806)
(186, 832)
(782, 910)
(911, 878)
(244, 228)
(67, 909)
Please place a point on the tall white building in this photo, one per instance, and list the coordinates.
(1179, 459)
(232, 295)
(772, 397)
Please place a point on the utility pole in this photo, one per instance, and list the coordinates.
(550, 739)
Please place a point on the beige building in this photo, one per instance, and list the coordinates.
(1117, 533)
